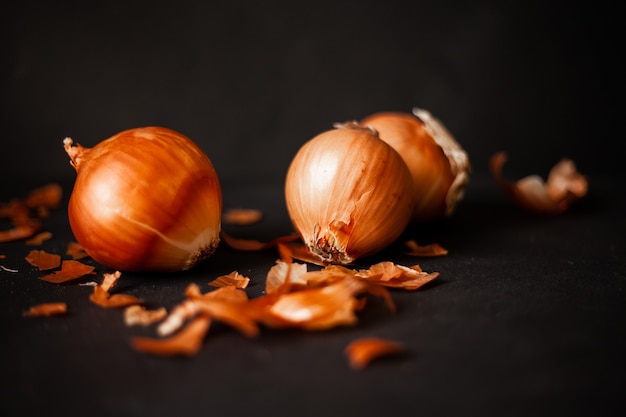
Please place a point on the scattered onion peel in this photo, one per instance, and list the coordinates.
(564, 186)
(362, 351)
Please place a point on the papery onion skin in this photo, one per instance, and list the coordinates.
(348, 194)
(146, 199)
(439, 166)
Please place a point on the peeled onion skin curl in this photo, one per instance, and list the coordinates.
(146, 199)
(564, 186)
(348, 194)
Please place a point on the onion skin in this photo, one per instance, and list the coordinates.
(438, 165)
(146, 199)
(348, 194)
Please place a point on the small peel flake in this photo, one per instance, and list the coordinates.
(226, 304)
(48, 196)
(391, 275)
(234, 279)
(137, 315)
(26, 213)
(43, 260)
(19, 232)
(253, 245)
(362, 351)
(187, 342)
(70, 270)
(429, 250)
(242, 216)
(76, 251)
(102, 297)
(564, 186)
(46, 309)
(318, 308)
(39, 238)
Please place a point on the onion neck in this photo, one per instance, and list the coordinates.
(75, 152)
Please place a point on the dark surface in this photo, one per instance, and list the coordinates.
(527, 317)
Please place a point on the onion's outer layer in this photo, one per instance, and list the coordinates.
(146, 199)
(439, 166)
(348, 194)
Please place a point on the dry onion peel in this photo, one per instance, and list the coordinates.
(225, 304)
(137, 315)
(564, 186)
(70, 270)
(348, 194)
(234, 279)
(145, 199)
(101, 293)
(187, 342)
(39, 238)
(252, 244)
(43, 260)
(76, 251)
(26, 213)
(242, 216)
(46, 309)
(362, 351)
(429, 250)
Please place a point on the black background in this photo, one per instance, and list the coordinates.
(528, 315)
(251, 81)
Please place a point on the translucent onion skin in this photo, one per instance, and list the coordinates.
(439, 166)
(146, 199)
(348, 194)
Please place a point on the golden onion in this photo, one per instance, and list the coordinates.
(348, 194)
(439, 166)
(146, 199)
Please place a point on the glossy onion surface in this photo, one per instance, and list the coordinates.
(437, 163)
(146, 199)
(348, 194)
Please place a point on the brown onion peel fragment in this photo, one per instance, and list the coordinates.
(242, 216)
(70, 270)
(19, 232)
(431, 249)
(26, 213)
(48, 196)
(252, 244)
(39, 238)
(76, 251)
(225, 304)
(234, 279)
(319, 308)
(43, 260)
(46, 309)
(186, 342)
(137, 315)
(564, 186)
(362, 351)
(101, 293)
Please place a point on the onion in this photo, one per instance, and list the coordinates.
(146, 199)
(439, 166)
(348, 194)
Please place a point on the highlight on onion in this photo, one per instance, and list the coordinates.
(145, 199)
(348, 194)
